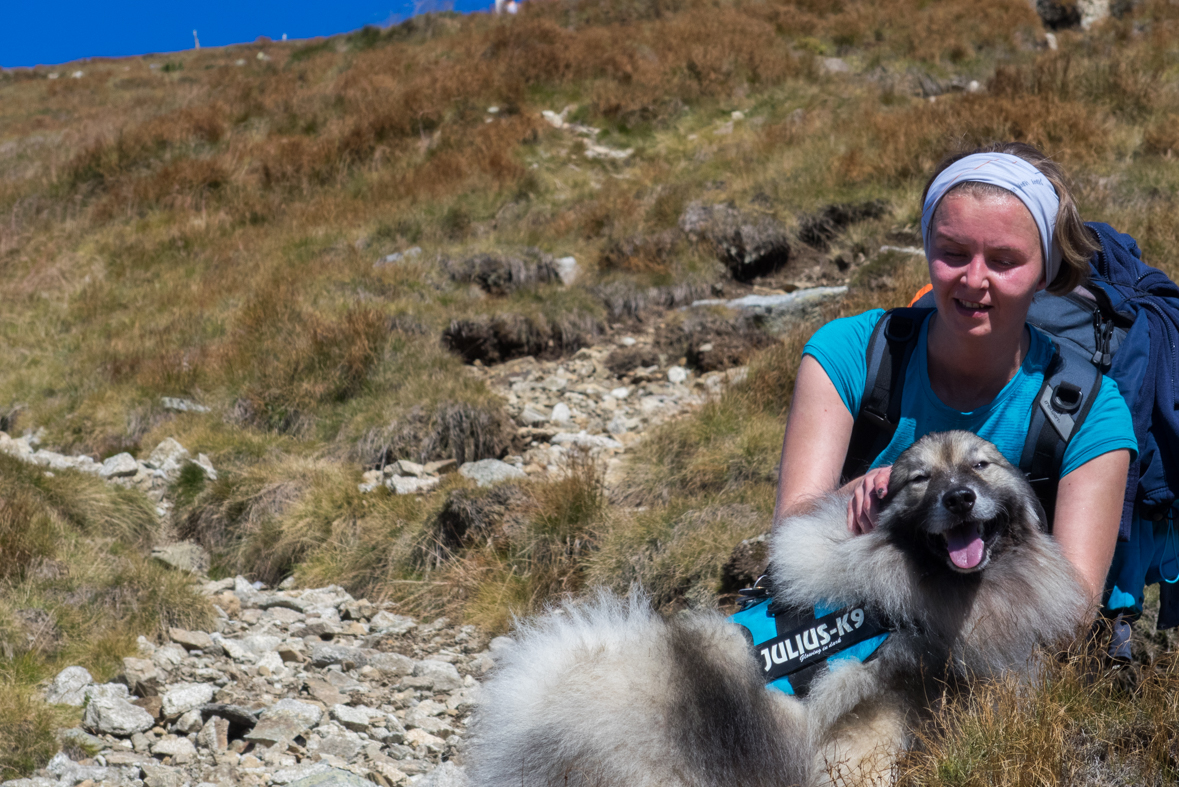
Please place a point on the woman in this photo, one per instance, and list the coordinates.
(998, 226)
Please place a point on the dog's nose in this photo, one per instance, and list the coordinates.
(960, 500)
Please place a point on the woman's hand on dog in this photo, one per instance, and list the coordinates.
(864, 505)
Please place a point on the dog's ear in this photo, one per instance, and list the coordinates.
(1037, 513)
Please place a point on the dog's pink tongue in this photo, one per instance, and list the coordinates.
(966, 546)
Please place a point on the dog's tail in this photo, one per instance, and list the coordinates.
(607, 693)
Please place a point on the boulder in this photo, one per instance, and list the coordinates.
(183, 697)
(69, 687)
(119, 466)
(191, 640)
(116, 716)
(181, 750)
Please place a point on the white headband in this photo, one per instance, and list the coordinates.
(1016, 176)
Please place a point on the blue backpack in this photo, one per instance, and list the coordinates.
(1125, 324)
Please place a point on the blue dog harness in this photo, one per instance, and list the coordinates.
(792, 645)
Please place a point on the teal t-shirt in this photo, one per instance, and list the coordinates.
(841, 347)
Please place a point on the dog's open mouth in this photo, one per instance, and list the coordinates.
(966, 546)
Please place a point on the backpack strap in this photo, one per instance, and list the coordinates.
(889, 351)
(1071, 384)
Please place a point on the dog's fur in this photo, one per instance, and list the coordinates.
(609, 694)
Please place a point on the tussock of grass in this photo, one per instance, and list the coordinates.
(1078, 725)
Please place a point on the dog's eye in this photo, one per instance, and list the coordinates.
(981, 465)
(920, 478)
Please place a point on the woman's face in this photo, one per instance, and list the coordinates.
(985, 264)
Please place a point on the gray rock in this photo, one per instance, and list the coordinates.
(182, 405)
(142, 677)
(115, 716)
(749, 245)
(391, 664)
(183, 697)
(406, 467)
(169, 657)
(190, 722)
(203, 463)
(403, 485)
(69, 773)
(436, 675)
(357, 719)
(677, 374)
(532, 417)
(387, 623)
(835, 65)
(163, 776)
(259, 644)
(567, 269)
(304, 712)
(68, 688)
(78, 740)
(234, 714)
(327, 654)
(289, 775)
(106, 691)
(191, 640)
(447, 774)
(180, 750)
(486, 472)
(780, 313)
(214, 735)
(183, 556)
(332, 778)
(168, 455)
(344, 747)
(561, 413)
(119, 466)
(36, 781)
(586, 440)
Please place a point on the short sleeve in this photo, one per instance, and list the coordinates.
(1107, 427)
(841, 348)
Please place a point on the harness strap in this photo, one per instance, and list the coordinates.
(1070, 386)
(889, 351)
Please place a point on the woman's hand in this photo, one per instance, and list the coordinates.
(864, 506)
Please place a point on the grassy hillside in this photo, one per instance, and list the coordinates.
(205, 225)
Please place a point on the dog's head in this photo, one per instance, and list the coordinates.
(954, 496)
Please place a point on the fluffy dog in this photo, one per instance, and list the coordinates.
(609, 694)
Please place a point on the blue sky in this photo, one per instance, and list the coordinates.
(33, 33)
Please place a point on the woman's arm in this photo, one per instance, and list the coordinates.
(1088, 510)
(817, 434)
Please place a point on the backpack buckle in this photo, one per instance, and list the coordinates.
(1066, 398)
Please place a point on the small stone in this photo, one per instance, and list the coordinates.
(142, 677)
(486, 472)
(561, 413)
(532, 417)
(180, 750)
(567, 269)
(190, 722)
(391, 664)
(620, 393)
(79, 740)
(167, 455)
(163, 776)
(191, 640)
(214, 735)
(119, 466)
(327, 654)
(432, 743)
(437, 675)
(677, 374)
(357, 719)
(441, 467)
(182, 405)
(406, 467)
(628, 341)
(335, 777)
(69, 687)
(169, 657)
